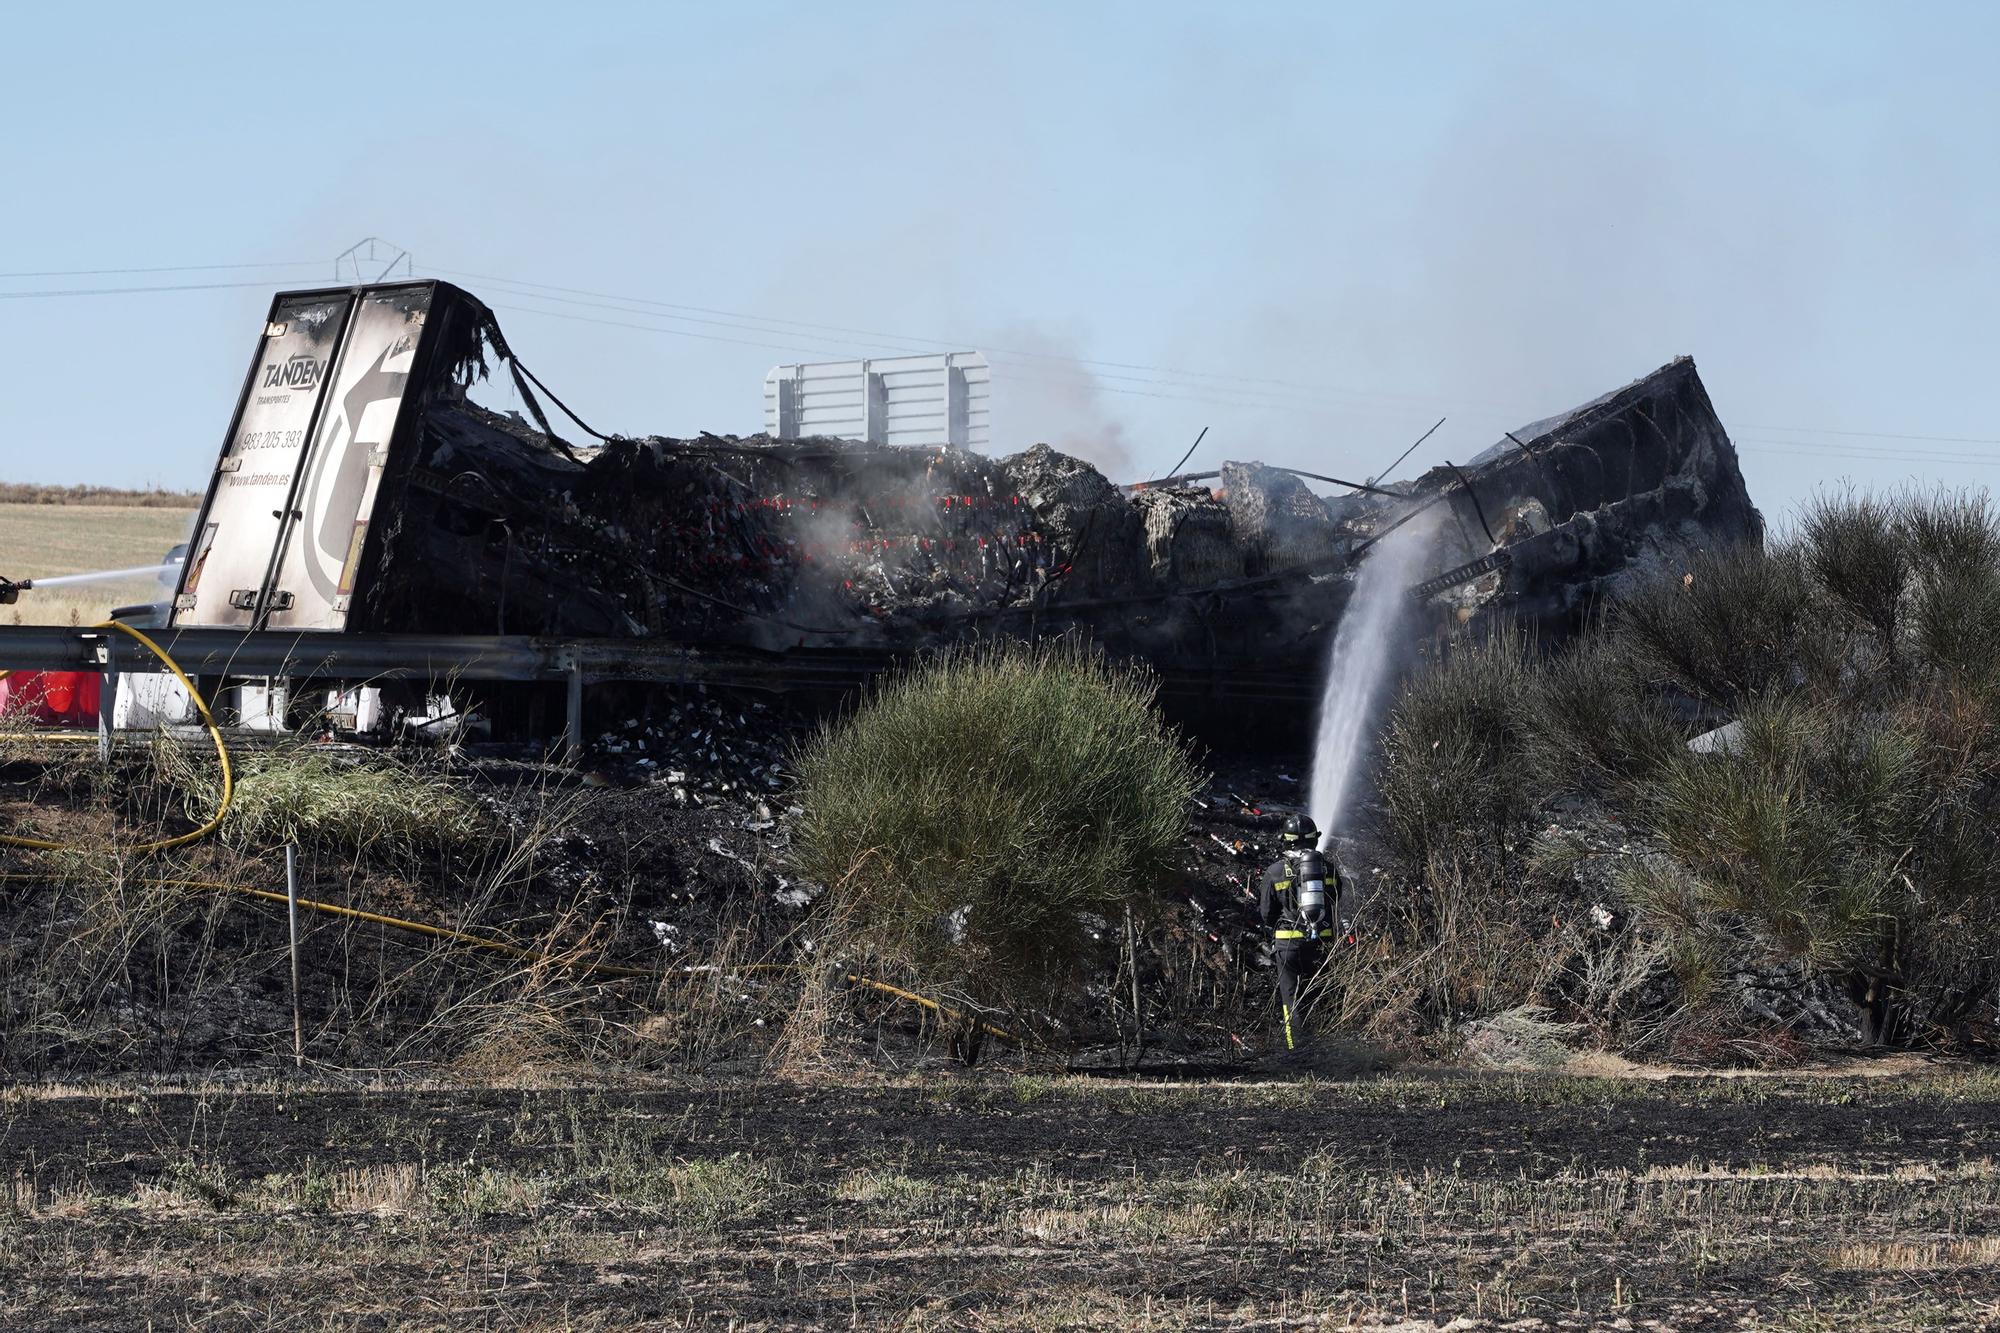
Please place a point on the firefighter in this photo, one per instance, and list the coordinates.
(1294, 901)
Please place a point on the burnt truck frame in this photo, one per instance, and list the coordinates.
(366, 522)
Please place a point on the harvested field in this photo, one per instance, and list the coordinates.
(44, 540)
(1024, 1203)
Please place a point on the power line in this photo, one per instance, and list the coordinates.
(1215, 395)
(1850, 460)
(170, 268)
(1081, 377)
(900, 341)
(688, 319)
(1865, 451)
(653, 328)
(1312, 393)
(934, 343)
(1280, 394)
(129, 291)
(1835, 453)
(1237, 398)
(1876, 434)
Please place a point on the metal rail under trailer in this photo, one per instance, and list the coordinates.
(219, 654)
(359, 658)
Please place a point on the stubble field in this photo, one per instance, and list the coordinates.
(1407, 1202)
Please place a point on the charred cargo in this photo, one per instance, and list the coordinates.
(364, 491)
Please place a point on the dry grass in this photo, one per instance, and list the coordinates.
(354, 806)
(1916, 1256)
(44, 540)
(114, 965)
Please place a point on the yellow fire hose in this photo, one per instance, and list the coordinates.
(460, 937)
(457, 937)
(930, 1004)
(214, 732)
(467, 940)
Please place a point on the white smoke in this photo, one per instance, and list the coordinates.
(1042, 394)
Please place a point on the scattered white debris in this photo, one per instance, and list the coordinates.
(1726, 739)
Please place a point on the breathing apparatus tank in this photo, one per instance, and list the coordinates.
(1309, 873)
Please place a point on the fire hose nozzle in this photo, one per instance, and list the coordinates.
(11, 590)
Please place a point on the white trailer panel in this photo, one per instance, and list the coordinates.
(284, 527)
(323, 545)
(230, 557)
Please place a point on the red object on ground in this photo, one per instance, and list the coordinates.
(59, 698)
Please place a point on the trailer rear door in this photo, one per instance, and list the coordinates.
(244, 514)
(285, 522)
(336, 492)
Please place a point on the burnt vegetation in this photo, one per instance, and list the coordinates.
(1013, 834)
(1819, 865)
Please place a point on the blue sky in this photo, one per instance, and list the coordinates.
(1312, 228)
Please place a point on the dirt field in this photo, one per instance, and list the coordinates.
(1026, 1203)
(43, 540)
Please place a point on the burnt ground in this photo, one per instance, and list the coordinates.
(986, 1202)
(668, 850)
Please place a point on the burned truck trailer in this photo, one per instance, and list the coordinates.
(361, 492)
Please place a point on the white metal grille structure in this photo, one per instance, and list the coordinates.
(909, 400)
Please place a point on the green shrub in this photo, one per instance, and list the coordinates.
(1457, 764)
(1598, 726)
(1949, 531)
(1955, 626)
(1860, 842)
(1801, 830)
(1727, 631)
(1857, 551)
(1856, 825)
(1954, 552)
(972, 807)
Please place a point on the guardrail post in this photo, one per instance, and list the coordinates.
(572, 747)
(107, 708)
(292, 919)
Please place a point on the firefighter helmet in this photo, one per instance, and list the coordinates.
(1300, 830)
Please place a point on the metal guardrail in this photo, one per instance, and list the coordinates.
(374, 658)
(352, 657)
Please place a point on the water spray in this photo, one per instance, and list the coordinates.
(11, 589)
(97, 576)
(1358, 665)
